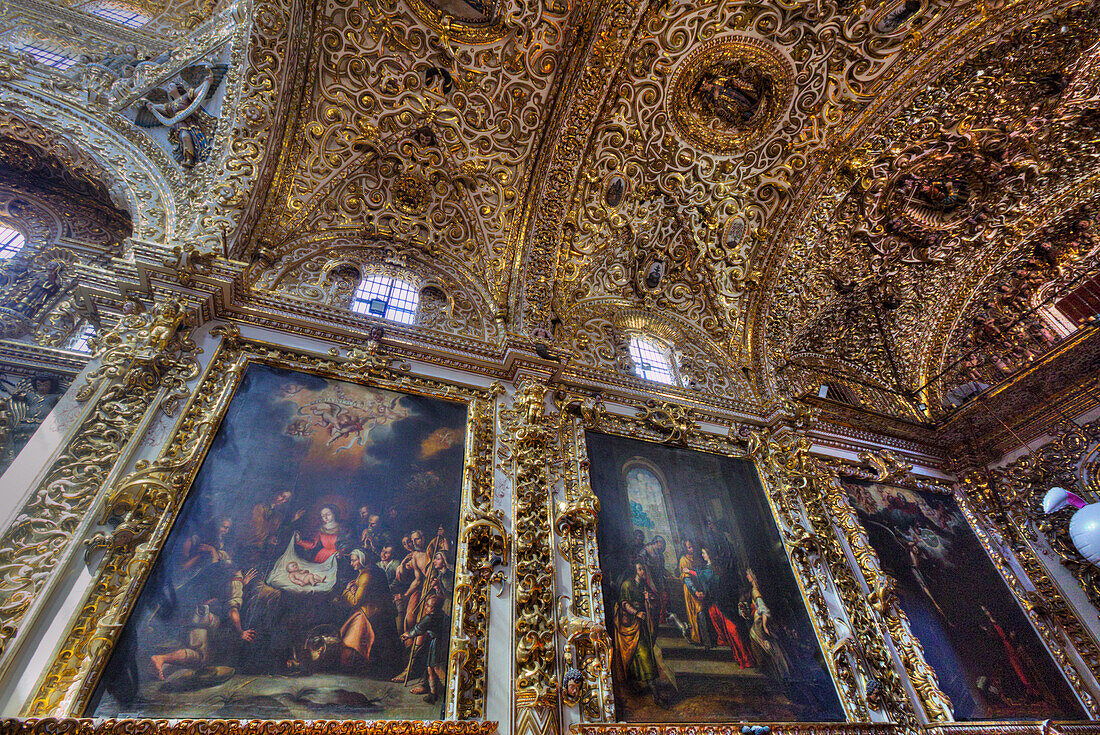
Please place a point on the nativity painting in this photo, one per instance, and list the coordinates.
(989, 661)
(706, 618)
(310, 573)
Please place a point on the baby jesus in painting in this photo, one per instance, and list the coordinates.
(302, 577)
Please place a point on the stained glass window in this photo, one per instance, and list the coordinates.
(48, 54)
(11, 240)
(80, 341)
(122, 13)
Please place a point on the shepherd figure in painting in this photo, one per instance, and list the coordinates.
(425, 641)
(689, 564)
(371, 620)
(636, 630)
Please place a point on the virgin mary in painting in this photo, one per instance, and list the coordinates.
(324, 543)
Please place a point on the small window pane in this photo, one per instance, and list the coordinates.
(651, 360)
(48, 56)
(121, 13)
(386, 297)
(79, 343)
(11, 240)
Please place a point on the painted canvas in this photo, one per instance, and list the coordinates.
(310, 573)
(989, 660)
(706, 619)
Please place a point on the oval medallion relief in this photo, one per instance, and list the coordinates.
(730, 93)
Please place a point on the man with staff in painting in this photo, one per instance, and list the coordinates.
(422, 575)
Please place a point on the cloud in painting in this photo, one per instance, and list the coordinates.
(438, 441)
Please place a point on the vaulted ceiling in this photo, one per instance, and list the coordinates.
(795, 192)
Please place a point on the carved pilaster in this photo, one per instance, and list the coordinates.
(787, 460)
(881, 596)
(536, 709)
(1010, 501)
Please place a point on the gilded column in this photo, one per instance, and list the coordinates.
(884, 602)
(535, 708)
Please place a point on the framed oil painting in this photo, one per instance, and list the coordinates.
(989, 660)
(706, 619)
(310, 571)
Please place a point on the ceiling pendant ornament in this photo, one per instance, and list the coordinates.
(472, 22)
(730, 93)
(411, 194)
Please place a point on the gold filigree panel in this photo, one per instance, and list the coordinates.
(952, 191)
(405, 121)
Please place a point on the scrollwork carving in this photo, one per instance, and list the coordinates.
(678, 424)
(146, 357)
(152, 349)
(533, 595)
(147, 500)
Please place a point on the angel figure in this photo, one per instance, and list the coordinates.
(178, 106)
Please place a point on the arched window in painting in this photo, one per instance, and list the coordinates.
(650, 514)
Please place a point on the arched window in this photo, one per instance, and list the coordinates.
(652, 359)
(122, 13)
(387, 297)
(11, 241)
(651, 512)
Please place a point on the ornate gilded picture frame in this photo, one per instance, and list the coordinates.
(588, 641)
(906, 580)
(145, 506)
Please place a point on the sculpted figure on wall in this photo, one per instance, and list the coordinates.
(731, 92)
(27, 287)
(23, 408)
(178, 106)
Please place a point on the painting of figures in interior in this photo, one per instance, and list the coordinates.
(706, 619)
(989, 661)
(310, 573)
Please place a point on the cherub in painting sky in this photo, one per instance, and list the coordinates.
(310, 574)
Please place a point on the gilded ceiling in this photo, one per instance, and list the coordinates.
(884, 197)
(797, 191)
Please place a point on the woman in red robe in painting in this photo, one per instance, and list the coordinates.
(708, 587)
(324, 542)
